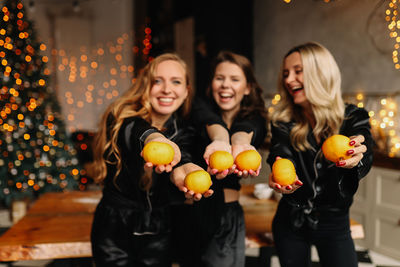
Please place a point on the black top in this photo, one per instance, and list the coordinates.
(206, 113)
(325, 186)
(124, 192)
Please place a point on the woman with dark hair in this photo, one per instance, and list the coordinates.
(131, 225)
(216, 225)
(314, 210)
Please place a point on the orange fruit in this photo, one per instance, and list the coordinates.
(248, 160)
(198, 181)
(335, 148)
(221, 160)
(283, 172)
(158, 153)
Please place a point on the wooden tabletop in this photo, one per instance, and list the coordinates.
(58, 226)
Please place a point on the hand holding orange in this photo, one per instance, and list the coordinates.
(158, 153)
(248, 160)
(221, 160)
(198, 181)
(283, 172)
(335, 148)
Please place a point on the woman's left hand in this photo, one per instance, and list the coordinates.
(236, 150)
(357, 152)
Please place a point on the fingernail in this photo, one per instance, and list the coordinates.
(299, 182)
(207, 162)
(349, 152)
(288, 187)
(341, 163)
(277, 186)
(352, 142)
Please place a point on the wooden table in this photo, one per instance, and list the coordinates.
(58, 226)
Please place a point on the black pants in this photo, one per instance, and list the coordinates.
(114, 243)
(204, 238)
(332, 238)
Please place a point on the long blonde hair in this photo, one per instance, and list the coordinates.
(322, 87)
(134, 102)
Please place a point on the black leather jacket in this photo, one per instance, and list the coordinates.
(325, 186)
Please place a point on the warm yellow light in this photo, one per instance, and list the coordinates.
(27, 136)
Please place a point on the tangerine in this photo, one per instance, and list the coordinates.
(221, 160)
(248, 160)
(198, 181)
(283, 172)
(335, 148)
(158, 153)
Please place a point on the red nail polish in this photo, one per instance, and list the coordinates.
(277, 186)
(298, 182)
(340, 163)
(288, 187)
(352, 142)
(349, 152)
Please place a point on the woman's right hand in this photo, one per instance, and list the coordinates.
(217, 145)
(162, 168)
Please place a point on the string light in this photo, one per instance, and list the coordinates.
(391, 18)
(100, 82)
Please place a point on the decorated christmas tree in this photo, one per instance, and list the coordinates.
(36, 153)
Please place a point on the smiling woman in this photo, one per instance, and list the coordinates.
(131, 224)
(169, 91)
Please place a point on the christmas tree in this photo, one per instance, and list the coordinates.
(36, 154)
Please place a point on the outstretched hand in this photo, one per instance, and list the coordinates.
(288, 189)
(167, 167)
(217, 145)
(178, 178)
(236, 150)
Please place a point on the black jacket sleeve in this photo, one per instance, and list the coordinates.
(203, 113)
(280, 143)
(134, 132)
(357, 123)
(255, 124)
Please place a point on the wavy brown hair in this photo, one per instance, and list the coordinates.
(254, 101)
(322, 87)
(134, 102)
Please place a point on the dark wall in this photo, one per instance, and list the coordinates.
(224, 24)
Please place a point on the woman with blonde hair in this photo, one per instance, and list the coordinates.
(131, 225)
(314, 210)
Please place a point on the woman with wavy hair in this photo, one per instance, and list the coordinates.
(314, 210)
(131, 225)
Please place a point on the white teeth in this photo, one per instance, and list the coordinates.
(165, 100)
(225, 95)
